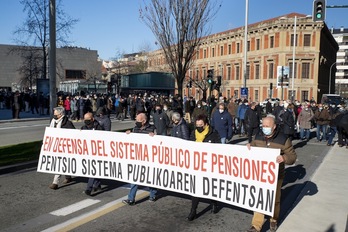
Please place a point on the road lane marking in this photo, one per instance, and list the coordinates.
(74, 207)
(87, 217)
(17, 127)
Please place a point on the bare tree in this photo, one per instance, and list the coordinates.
(179, 26)
(30, 68)
(35, 29)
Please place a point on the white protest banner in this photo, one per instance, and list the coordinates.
(228, 173)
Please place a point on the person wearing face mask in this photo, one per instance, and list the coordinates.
(198, 110)
(60, 121)
(304, 121)
(160, 120)
(222, 122)
(93, 184)
(322, 118)
(169, 112)
(272, 137)
(142, 126)
(102, 118)
(206, 134)
(180, 128)
(288, 120)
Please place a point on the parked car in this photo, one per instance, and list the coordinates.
(273, 100)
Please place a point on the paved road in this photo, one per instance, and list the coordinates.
(15, 132)
(32, 206)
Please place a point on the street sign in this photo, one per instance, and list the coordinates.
(283, 76)
(244, 92)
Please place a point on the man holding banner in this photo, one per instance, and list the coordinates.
(142, 126)
(272, 137)
(60, 121)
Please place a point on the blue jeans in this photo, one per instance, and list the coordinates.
(304, 132)
(223, 140)
(133, 192)
(332, 133)
(92, 183)
(323, 128)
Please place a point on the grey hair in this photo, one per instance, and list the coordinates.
(271, 116)
(176, 116)
(60, 110)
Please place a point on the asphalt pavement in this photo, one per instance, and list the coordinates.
(321, 206)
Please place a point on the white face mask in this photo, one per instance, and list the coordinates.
(221, 111)
(267, 130)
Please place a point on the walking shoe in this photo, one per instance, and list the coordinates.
(253, 229)
(67, 181)
(87, 192)
(273, 226)
(53, 186)
(128, 202)
(152, 199)
(98, 188)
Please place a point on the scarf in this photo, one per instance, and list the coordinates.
(200, 136)
(57, 123)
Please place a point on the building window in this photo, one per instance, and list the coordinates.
(257, 44)
(221, 50)
(204, 73)
(236, 94)
(247, 72)
(204, 53)
(238, 48)
(229, 49)
(271, 42)
(237, 72)
(307, 40)
(257, 71)
(256, 95)
(292, 40)
(228, 72)
(228, 94)
(290, 69)
(305, 71)
(270, 70)
(248, 45)
(212, 52)
(304, 96)
(75, 74)
(290, 94)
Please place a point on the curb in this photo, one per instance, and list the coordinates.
(18, 167)
(23, 120)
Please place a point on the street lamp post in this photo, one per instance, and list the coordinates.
(293, 60)
(330, 76)
(245, 42)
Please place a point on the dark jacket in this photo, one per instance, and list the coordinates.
(278, 140)
(222, 122)
(161, 122)
(288, 125)
(104, 121)
(67, 124)
(252, 118)
(322, 117)
(146, 129)
(181, 130)
(95, 126)
(211, 137)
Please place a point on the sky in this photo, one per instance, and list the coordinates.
(113, 27)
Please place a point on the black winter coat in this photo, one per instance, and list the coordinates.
(181, 130)
(288, 125)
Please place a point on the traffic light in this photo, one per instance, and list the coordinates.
(190, 84)
(271, 86)
(219, 81)
(319, 7)
(210, 73)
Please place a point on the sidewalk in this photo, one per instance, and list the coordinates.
(322, 205)
(6, 116)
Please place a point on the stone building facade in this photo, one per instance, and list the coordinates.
(269, 45)
(73, 64)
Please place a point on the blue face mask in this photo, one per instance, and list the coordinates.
(267, 130)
